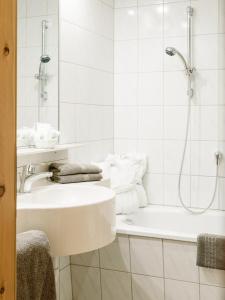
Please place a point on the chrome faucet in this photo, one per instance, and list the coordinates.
(29, 176)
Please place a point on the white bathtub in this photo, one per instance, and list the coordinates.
(171, 223)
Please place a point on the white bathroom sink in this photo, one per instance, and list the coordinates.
(77, 218)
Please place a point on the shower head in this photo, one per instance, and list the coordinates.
(172, 52)
(45, 59)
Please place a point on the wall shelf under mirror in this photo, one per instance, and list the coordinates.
(34, 151)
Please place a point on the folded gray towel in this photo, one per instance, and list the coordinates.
(211, 251)
(73, 169)
(76, 178)
(35, 273)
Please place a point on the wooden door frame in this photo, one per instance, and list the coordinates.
(8, 52)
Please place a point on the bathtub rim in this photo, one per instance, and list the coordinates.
(141, 231)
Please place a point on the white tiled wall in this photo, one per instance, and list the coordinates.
(63, 278)
(86, 76)
(30, 15)
(135, 268)
(151, 101)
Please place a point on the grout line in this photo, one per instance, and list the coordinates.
(138, 80)
(87, 30)
(132, 294)
(85, 66)
(200, 69)
(163, 258)
(88, 104)
(163, 112)
(100, 273)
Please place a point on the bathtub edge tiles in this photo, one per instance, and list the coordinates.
(180, 261)
(146, 256)
(116, 256)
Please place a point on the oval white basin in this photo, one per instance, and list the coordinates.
(76, 218)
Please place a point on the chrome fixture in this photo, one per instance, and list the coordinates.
(44, 59)
(188, 69)
(189, 72)
(173, 51)
(29, 176)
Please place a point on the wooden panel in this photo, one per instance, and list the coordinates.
(8, 18)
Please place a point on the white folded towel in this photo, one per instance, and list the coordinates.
(126, 173)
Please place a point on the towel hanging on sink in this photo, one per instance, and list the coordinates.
(35, 273)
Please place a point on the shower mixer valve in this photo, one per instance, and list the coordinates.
(219, 157)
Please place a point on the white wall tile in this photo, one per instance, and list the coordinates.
(64, 261)
(203, 160)
(106, 19)
(89, 259)
(116, 256)
(125, 122)
(202, 189)
(86, 283)
(221, 49)
(147, 288)
(221, 193)
(175, 19)
(21, 33)
(122, 146)
(53, 7)
(154, 151)
(109, 2)
(146, 256)
(22, 8)
(206, 59)
(55, 261)
(206, 87)
(204, 123)
(126, 56)
(176, 290)
(174, 122)
(201, 15)
(154, 185)
(126, 24)
(172, 157)
(175, 88)
(150, 89)
(74, 80)
(125, 3)
(115, 285)
(89, 50)
(68, 129)
(180, 261)
(171, 190)
(149, 2)
(211, 292)
(49, 114)
(221, 117)
(65, 287)
(150, 122)
(151, 21)
(221, 16)
(125, 86)
(57, 284)
(151, 55)
(221, 87)
(212, 277)
(37, 8)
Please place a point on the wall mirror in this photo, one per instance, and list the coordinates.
(37, 68)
